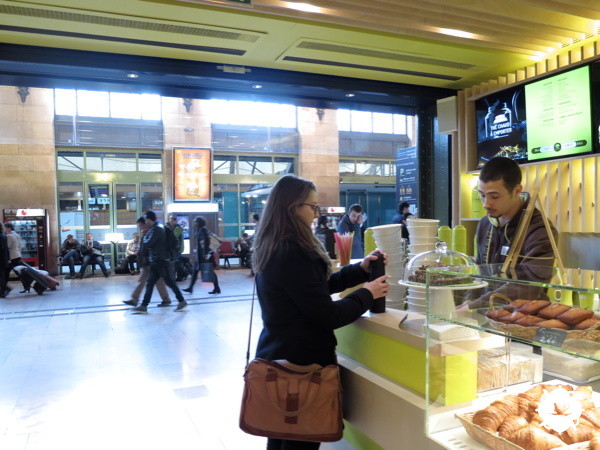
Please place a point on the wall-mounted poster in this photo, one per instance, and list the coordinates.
(407, 177)
(191, 174)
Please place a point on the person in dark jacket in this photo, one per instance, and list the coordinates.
(203, 254)
(69, 251)
(155, 249)
(294, 283)
(92, 254)
(4, 263)
(325, 235)
(401, 216)
(142, 261)
(350, 223)
(504, 200)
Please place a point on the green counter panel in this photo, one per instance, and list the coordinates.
(395, 360)
(456, 374)
(358, 439)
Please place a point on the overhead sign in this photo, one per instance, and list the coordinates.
(192, 174)
(16, 213)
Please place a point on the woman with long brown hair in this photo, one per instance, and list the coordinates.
(294, 283)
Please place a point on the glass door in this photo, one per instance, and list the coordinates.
(99, 209)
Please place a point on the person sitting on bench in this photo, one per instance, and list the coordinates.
(92, 254)
(69, 251)
(133, 248)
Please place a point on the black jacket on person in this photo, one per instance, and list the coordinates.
(155, 244)
(67, 246)
(202, 244)
(4, 258)
(298, 313)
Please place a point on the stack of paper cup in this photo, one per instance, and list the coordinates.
(422, 234)
(389, 239)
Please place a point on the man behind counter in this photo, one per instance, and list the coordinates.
(503, 198)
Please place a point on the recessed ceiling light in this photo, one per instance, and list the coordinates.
(132, 75)
(257, 86)
(306, 7)
(350, 95)
(457, 33)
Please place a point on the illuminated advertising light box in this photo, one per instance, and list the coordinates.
(501, 126)
(559, 115)
(192, 174)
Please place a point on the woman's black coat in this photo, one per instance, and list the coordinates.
(298, 313)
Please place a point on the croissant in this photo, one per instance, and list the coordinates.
(532, 437)
(595, 442)
(489, 418)
(511, 424)
(592, 416)
(584, 395)
(580, 433)
(509, 405)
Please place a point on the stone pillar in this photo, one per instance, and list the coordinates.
(183, 129)
(27, 155)
(319, 152)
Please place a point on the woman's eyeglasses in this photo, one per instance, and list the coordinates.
(315, 208)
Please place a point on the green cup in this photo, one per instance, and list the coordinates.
(564, 296)
(588, 300)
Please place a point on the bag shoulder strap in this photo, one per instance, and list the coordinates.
(250, 327)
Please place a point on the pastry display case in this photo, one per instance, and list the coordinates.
(516, 363)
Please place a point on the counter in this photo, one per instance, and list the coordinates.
(383, 375)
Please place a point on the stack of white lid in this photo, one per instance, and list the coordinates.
(422, 234)
(388, 238)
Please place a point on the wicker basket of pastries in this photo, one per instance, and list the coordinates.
(546, 416)
(523, 318)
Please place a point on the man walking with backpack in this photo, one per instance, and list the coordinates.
(158, 243)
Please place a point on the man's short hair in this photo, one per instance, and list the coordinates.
(150, 215)
(9, 226)
(402, 206)
(501, 168)
(255, 217)
(356, 207)
(69, 236)
(141, 219)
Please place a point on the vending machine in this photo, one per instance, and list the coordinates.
(32, 227)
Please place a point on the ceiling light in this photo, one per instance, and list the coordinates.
(257, 86)
(457, 33)
(132, 75)
(304, 7)
(350, 95)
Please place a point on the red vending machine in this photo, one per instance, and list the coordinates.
(32, 227)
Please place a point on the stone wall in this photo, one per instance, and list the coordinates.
(319, 159)
(27, 157)
(182, 129)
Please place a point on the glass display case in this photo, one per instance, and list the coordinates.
(516, 362)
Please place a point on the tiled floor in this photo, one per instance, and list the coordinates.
(79, 371)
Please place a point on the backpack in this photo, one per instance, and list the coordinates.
(172, 243)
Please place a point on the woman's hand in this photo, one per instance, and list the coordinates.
(372, 257)
(378, 287)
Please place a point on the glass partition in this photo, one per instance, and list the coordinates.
(126, 201)
(70, 206)
(498, 335)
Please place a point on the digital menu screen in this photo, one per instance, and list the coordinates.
(191, 175)
(559, 115)
(502, 126)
